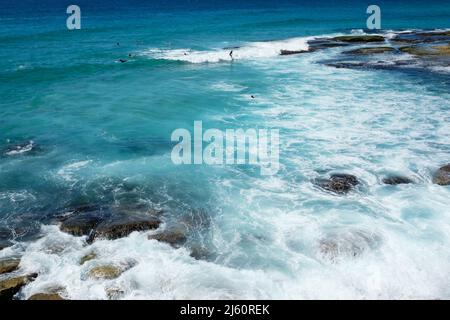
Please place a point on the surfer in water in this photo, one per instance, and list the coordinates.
(231, 54)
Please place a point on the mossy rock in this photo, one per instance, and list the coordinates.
(394, 180)
(107, 272)
(9, 265)
(10, 286)
(46, 296)
(359, 39)
(441, 50)
(88, 257)
(172, 236)
(371, 50)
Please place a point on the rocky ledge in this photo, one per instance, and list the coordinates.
(108, 223)
(419, 50)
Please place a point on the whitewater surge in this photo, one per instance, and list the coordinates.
(248, 51)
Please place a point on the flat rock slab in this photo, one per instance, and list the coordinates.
(46, 296)
(371, 50)
(10, 286)
(359, 39)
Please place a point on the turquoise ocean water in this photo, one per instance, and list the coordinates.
(99, 132)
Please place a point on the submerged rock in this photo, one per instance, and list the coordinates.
(427, 51)
(442, 176)
(371, 50)
(88, 257)
(107, 272)
(10, 286)
(5, 244)
(9, 264)
(338, 183)
(422, 37)
(26, 147)
(348, 244)
(346, 64)
(199, 253)
(324, 43)
(359, 39)
(394, 180)
(5, 236)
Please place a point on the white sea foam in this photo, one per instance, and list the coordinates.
(248, 51)
(67, 171)
(21, 149)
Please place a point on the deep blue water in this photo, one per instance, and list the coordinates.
(101, 134)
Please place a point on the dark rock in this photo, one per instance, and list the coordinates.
(110, 271)
(442, 176)
(9, 264)
(422, 37)
(83, 223)
(338, 183)
(199, 253)
(371, 50)
(119, 226)
(291, 52)
(108, 223)
(394, 180)
(359, 39)
(324, 43)
(347, 65)
(10, 286)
